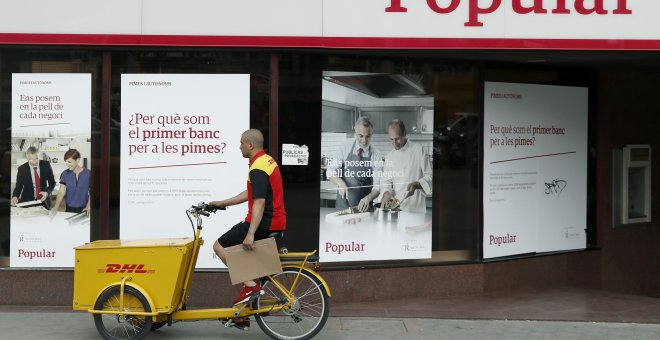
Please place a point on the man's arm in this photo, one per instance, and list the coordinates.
(386, 183)
(258, 206)
(377, 166)
(238, 199)
(260, 182)
(332, 171)
(50, 177)
(342, 189)
(20, 186)
(426, 181)
(377, 169)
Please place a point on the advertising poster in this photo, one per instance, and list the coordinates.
(535, 168)
(375, 172)
(180, 146)
(51, 114)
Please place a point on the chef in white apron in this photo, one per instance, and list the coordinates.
(407, 175)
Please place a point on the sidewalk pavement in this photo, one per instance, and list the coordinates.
(79, 325)
(552, 314)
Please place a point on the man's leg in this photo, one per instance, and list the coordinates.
(235, 236)
(220, 251)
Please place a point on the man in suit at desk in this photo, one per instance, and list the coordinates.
(34, 181)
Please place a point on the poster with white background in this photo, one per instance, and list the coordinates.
(52, 112)
(535, 168)
(345, 233)
(180, 146)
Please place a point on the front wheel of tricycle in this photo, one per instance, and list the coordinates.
(304, 317)
(122, 327)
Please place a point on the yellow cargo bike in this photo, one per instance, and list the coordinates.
(134, 286)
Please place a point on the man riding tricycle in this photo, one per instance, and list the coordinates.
(134, 286)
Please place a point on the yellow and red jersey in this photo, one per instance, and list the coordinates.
(265, 181)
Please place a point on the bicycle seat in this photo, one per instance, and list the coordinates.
(276, 234)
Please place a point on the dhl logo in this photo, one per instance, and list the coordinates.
(126, 268)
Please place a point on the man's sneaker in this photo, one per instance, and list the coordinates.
(246, 293)
(243, 325)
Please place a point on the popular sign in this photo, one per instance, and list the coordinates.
(334, 23)
(477, 8)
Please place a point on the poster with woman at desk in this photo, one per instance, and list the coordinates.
(51, 115)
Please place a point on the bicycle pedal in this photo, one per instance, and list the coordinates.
(228, 323)
(242, 325)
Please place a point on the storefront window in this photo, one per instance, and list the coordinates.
(311, 100)
(440, 115)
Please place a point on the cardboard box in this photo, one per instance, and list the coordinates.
(245, 265)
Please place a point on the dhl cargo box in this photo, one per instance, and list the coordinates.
(158, 266)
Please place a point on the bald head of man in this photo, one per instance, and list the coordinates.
(252, 141)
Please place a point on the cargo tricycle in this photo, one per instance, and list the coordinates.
(134, 286)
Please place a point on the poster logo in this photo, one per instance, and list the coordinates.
(504, 239)
(28, 238)
(412, 245)
(32, 254)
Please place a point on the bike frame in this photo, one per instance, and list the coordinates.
(299, 260)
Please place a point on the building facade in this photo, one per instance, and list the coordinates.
(580, 75)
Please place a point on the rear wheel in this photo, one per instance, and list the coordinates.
(122, 327)
(305, 316)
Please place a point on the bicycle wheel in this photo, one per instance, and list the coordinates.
(308, 311)
(122, 327)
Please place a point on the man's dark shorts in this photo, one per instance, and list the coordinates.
(237, 233)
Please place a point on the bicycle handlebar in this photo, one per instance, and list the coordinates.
(204, 209)
(199, 210)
